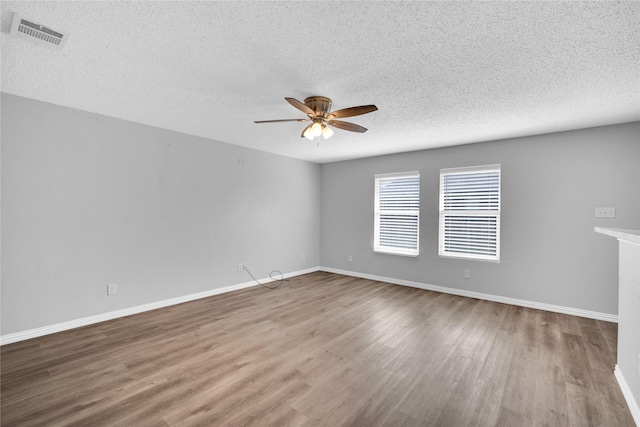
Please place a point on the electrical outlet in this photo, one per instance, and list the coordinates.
(467, 274)
(605, 212)
(350, 258)
(112, 289)
(240, 267)
(303, 256)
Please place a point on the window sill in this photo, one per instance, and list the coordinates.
(470, 258)
(412, 254)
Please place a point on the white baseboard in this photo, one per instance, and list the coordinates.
(628, 396)
(72, 324)
(478, 295)
(64, 326)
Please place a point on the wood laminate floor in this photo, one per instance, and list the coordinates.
(322, 350)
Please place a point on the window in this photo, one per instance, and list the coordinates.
(397, 213)
(470, 213)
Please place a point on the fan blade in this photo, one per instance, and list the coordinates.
(347, 126)
(300, 106)
(284, 120)
(352, 111)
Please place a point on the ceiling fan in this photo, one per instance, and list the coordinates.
(317, 109)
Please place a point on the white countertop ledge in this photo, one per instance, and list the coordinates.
(625, 234)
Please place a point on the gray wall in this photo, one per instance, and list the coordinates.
(89, 200)
(551, 185)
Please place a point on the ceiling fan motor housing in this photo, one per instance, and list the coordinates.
(320, 104)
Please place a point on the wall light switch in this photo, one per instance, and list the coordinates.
(605, 212)
(112, 289)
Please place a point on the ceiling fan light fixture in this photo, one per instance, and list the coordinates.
(316, 129)
(308, 133)
(327, 132)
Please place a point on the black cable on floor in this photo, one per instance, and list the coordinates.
(282, 279)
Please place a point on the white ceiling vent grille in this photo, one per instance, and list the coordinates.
(36, 33)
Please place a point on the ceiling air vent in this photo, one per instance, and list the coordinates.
(36, 33)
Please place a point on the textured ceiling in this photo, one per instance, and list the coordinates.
(441, 73)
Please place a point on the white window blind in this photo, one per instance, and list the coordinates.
(397, 213)
(470, 213)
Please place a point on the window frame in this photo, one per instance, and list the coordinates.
(395, 250)
(494, 213)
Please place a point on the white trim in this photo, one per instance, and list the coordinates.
(628, 396)
(467, 169)
(445, 232)
(478, 295)
(397, 174)
(386, 250)
(472, 257)
(77, 323)
(404, 230)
